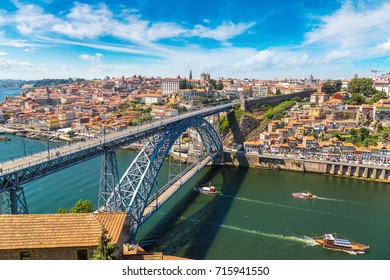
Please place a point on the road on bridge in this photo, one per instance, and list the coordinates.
(166, 194)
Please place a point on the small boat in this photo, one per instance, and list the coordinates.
(5, 138)
(331, 241)
(2, 131)
(304, 195)
(206, 189)
(32, 136)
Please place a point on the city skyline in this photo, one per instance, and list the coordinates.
(242, 39)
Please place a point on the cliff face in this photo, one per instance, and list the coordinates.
(238, 131)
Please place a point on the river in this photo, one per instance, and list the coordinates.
(8, 92)
(255, 217)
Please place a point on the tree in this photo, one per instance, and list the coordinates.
(183, 84)
(278, 92)
(364, 133)
(105, 249)
(220, 85)
(331, 87)
(356, 99)
(213, 83)
(378, 96)
(82, 207)
(362, 86)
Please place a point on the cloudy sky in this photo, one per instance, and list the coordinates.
(230, 38)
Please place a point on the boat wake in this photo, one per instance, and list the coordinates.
(304, 240)
(341, 200)
(271, 204)
(345, 251)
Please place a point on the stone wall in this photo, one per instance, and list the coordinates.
(247, 103)
(378, 173)
(46, 254)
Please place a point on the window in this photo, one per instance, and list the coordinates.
(82, 254)
(25, 255)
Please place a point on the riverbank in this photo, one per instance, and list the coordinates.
(343, 169)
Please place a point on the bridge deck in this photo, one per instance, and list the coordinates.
(165, 195)
(131, 133)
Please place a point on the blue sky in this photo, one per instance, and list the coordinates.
(244, 39)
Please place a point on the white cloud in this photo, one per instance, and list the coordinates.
(222, 32)
(11, 65)
(17, 43)
(260, 60)
(337, 55)
(348, 28)
(94, 59)
(32, 19)
(85, 21)
(382, 49)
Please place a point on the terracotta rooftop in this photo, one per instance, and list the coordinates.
(58, 230)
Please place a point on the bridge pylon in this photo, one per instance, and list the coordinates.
(13, 201)
(109, 178)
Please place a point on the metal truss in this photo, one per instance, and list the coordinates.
(13, 201)
(136, 184)
(109, 178)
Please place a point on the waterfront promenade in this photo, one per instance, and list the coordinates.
(348, 169)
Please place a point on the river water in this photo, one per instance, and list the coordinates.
(8, 92)
(255, 217)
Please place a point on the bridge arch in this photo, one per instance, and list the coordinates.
(134, 189)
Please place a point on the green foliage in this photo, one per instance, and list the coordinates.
(358, 137)
(105, 249)
(363, 133)
(223, 124)
(213, 83)
(62, 210)
(378, 96)
(380, 127)
(220, 85)
(278, 92)
(356, 99)
(54, 82)
(331, 87)
(362, 86)
(82, 207)
(231, 118)
(280, 107)
(71, 133)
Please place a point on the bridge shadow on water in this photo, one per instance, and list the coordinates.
(193, 236)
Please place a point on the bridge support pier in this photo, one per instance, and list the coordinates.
(109, 178)
(13, 201)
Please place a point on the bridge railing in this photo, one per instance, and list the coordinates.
(63, 151)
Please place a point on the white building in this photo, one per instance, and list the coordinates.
(170, 85)
(382, 86)
(259, 91)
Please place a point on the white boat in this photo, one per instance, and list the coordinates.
(206, 189)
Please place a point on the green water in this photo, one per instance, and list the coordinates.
(255, 217)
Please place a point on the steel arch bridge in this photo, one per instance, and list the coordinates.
(133, 192)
